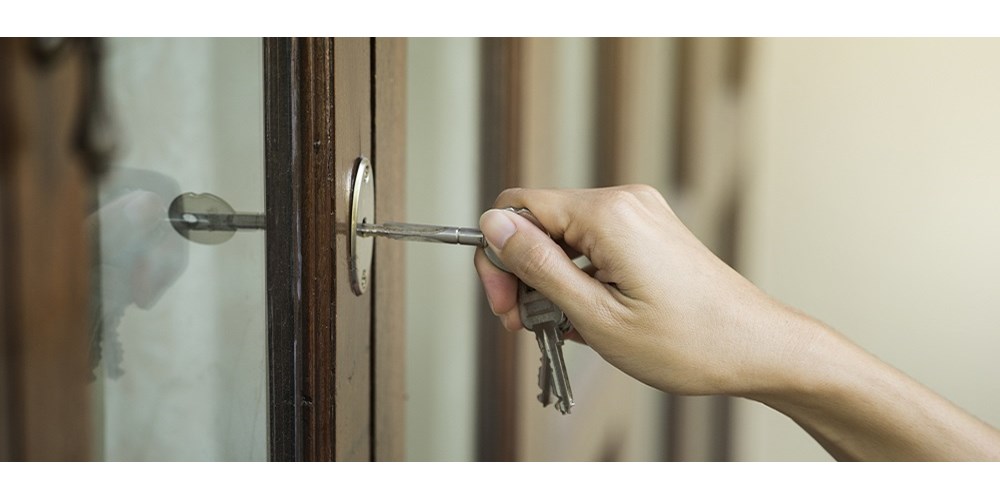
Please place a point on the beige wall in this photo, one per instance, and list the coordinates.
(874, 204)
(442, 187)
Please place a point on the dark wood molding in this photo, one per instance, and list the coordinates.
(46, 192)
(283, 196)
(318, 121)
(500, 150)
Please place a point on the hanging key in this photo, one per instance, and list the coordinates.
(538, 313)
(542, 316)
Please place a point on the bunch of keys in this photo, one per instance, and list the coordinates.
(538, 313)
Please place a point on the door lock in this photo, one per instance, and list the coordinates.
(208, 219)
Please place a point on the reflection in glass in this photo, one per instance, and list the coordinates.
(179, 348)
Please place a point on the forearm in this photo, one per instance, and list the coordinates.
(860, 408)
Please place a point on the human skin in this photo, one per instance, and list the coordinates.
(665, 310)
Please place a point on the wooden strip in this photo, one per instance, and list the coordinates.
(609, 105)
(500, 145)
(45, 195)
(318, 99)
(352, 340)
(7, 141)
(283, 241)
(388, 327)
(317, 184)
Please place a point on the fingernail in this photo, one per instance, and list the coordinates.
(492, 308)
(497, 227)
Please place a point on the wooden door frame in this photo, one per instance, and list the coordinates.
(47, 184)
(335, 359)
(500, 150)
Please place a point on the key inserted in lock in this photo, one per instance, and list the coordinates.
(206, 218)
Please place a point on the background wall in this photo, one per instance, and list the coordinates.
(442, 187)
(873, 205)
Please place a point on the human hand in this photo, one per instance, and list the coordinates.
(660, 307)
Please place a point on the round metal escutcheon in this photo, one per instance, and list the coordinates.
(362, 212)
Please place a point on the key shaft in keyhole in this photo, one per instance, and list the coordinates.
(205, 218)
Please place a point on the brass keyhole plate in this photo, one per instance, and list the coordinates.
(362, 212)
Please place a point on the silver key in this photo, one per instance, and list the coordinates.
(538, 313)
(543, 317)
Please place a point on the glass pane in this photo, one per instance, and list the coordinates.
(186, 379)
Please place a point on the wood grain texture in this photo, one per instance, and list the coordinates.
(388, 319)
(352, 340)
(45, 194)
(318, 230)
(500, 150)
(284, 267)
(336, 374)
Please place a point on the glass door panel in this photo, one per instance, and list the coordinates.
(180, 360)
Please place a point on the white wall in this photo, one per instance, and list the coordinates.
(442, 187)
(875, 205)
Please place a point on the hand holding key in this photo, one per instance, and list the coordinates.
(661, 307)
(665, 310)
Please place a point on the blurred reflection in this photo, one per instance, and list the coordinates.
(179, 349)
(140, 255)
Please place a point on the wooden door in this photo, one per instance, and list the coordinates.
(335, 357)
(46, 189)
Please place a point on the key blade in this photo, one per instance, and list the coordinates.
(424, 232)
(557, 369)
(544, 373)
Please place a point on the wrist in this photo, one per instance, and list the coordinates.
(796, 357)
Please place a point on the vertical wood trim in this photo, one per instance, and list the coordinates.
(283, 170)
(610, 101)
(7, 142)
(388, 328)
(318, 108)
(318, 230)
(683, 106)
(500, 151)
(353, 314)
(45, 194)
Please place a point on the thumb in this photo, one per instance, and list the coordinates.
(537, 260)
